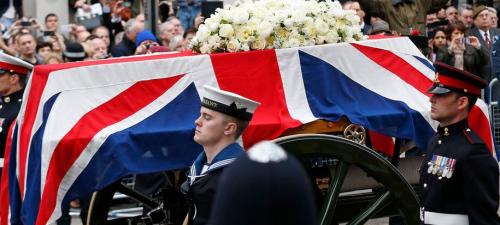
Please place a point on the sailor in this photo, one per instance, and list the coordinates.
(459, 175)
(13, 73)
(223, 118)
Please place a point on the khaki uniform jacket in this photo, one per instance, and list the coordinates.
(405, 14)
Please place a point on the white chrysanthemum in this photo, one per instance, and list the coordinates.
(203, 33)
(321, 26)
(266, 151)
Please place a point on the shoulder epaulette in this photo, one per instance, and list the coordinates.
(472, 137)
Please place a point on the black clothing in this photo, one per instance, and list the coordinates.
(124, 48)
(459, 178)
(9, 108)
(201, 185)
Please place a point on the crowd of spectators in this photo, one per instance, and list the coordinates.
(116, 34)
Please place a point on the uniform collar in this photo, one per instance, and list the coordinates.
(14, 97)
(224, 158)
(453, 128)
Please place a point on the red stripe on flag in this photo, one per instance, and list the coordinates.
(74, 142)
(35, 93)
(382, 143)
(392, 62)
(479, 123)
(4, 187)
(39, 80)
(397, 66)
(256, 75)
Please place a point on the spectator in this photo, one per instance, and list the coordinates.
(451, 14)
(26, 46)
(437, 41)
(188, 36)
(103, 33)
(53, 58)
(462, 54)
(379, 27)
(76, 29)
(188, 10)
(166, 33)
(404, 16)
(58, 45)
(494, 17)
(465, 15)
(127, 46)
(43, 49)
(145, 43)
(82, 36)
(52, 24)
(430, 18)
(441, 14)
(354, 5)
(74, 52)
(9, 11)
(99, 48)
(178, 29)
(486, 35)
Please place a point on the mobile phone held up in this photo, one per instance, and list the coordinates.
(25, 23)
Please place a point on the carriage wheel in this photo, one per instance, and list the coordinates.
(343, 154)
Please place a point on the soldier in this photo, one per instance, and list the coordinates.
(13, 72)
(459, 175)
(224, 117)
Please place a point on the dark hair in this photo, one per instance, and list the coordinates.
(43, 44)
(471, 98)
(190, 30)
(50, 15)
(457, 25)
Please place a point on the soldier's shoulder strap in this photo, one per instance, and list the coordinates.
(472, 137)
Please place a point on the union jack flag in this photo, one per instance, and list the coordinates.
(85, 125)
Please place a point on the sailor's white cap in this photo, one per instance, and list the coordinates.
(229, 103)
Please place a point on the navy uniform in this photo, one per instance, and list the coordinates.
(265, 187)
(459, 176)
(11, 103)
(203, 178)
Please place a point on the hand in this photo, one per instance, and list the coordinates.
(456, 43)
(474, 42)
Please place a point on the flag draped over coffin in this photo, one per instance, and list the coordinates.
(84, 125)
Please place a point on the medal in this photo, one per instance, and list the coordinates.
(451, 168)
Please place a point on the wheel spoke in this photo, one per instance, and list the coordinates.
(328, 210)
(378, 204)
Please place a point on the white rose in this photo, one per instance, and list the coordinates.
(293, 42)
(240, 16)
(214, 40)
(233, 45)
(245, 47)
(264, 29)
(288, 22)
(226, 30)
(205, 49)
(309, 30)
(332, 37)
(203, 33)
(321, 26)
(259, 44)
(212, 24)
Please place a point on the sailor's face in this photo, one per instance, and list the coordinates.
(209, 127)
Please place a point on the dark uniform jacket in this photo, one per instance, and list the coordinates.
(9, 108)
(201, 187)
(459, 178)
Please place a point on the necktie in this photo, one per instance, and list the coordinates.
(487, 39)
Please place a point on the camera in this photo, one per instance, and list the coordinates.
(48, 33)
(25, 23)
(465, 40)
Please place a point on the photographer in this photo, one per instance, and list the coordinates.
(146, 43)
(462, 52)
